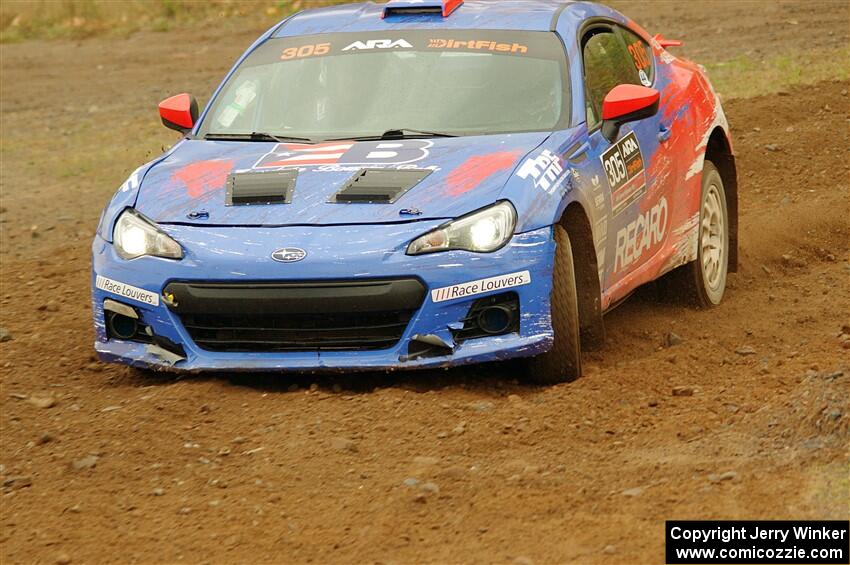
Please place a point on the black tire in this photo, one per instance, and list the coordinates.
(562, 363)
(698, 283)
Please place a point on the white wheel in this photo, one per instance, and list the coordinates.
(714, 240)
(703, 282)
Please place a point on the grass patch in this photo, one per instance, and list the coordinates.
(78, 19)
(745, 77)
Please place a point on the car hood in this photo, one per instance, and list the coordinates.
(190, 186)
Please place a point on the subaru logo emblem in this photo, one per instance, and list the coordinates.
(289, 254)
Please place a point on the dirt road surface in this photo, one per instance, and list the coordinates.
(101, 464)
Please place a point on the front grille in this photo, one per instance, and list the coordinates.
(303, 316)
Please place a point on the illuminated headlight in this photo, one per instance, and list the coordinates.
(483, 231)
(135, 236)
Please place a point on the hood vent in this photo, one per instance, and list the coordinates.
(379, 186)
(260, 188)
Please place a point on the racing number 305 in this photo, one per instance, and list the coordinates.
(639, 55)
(306, 51)
(615, 169)
(622, 161)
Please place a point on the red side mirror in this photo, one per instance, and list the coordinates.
(180, 112)
(627, 103)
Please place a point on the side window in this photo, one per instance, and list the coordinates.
(641, 54)
(606, 64)
(612, 56)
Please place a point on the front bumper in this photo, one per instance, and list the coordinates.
(231, 255)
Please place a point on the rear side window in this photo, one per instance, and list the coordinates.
(612, 56)
(641, 54)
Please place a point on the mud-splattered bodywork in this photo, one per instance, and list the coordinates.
(540, 173)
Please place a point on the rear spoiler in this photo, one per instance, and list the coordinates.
(665, 43)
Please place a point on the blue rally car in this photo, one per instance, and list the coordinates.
(420, 183)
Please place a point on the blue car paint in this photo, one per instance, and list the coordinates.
(526, 15)
(347, 241)
(242, 253)
(169, 200)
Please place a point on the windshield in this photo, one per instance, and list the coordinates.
(346, 85)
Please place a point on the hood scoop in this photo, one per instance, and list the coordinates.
(260, 188)
(379, 186)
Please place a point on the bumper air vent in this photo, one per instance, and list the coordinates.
(490, 316)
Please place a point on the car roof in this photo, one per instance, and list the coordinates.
(526, 15)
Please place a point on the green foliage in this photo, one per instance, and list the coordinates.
(744, 76)
(77, 19)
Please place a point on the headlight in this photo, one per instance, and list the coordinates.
(135, 236)
(483, 231)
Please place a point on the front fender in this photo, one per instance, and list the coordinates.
(126, 195)
(545, 182)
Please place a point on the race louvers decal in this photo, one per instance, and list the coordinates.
(345, 153)
(127, 291)
(624, 167)
(471, 288)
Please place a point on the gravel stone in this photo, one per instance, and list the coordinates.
(86, 462)
(343, 444)
(45, 438)
(672, 338)
(42, 401)
(430, 487)
(17, 482)
(727, 476)
(482, 406)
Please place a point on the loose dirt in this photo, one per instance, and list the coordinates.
(100, 463)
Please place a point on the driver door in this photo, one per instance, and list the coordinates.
(636, 209)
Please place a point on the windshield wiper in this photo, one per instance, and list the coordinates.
(403, 133)
(255, 136)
